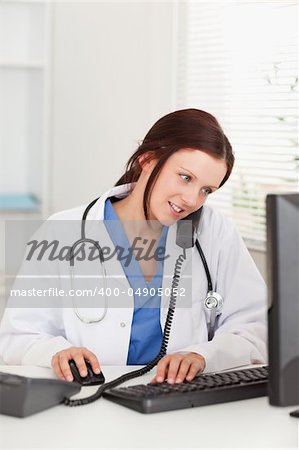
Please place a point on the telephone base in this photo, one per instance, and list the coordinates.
(22, 396)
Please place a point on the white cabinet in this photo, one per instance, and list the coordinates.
(25, 58)
(24, 107)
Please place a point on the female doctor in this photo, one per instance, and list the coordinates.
(183, 159)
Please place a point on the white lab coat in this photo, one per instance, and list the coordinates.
(33, 335)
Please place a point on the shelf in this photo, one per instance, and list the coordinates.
(18, 203)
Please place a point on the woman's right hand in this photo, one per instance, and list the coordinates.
(60, 362)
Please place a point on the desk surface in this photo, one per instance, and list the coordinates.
(103, 424)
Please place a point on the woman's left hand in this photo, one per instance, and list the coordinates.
(178, 367)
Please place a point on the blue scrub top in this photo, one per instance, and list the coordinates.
(146, 332)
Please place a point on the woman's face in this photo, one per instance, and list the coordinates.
(184, 183)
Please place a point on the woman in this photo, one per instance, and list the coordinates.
(183, 158)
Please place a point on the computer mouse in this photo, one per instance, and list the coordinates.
(91, 378)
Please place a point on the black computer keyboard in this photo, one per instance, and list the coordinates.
(205, 389)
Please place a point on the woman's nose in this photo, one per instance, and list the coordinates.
(192, 200)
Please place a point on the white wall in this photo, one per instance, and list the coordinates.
(112, 66)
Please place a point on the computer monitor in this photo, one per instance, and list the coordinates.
(283, 308)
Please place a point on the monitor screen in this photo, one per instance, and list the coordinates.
(283, 297)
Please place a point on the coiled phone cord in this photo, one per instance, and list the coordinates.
(154, 362)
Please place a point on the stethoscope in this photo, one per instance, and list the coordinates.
(213, 302)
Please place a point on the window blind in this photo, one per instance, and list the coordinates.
(238, 61)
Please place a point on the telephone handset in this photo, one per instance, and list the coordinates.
(186, 229)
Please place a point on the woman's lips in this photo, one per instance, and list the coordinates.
(173, 211)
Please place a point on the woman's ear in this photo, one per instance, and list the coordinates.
(147, 161)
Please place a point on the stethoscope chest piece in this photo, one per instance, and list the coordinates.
(213, 301)
(213, 304)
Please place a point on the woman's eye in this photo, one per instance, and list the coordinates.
(207, 191)
(185, 177)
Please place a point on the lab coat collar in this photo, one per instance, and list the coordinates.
(97, 211)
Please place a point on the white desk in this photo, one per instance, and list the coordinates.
(103, 424)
